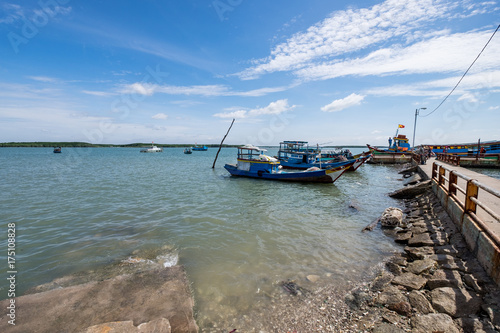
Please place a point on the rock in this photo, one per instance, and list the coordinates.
(155, 326)
(493, 312)
(419, 253)
(410, 281)
(409, 170)
(140, 297)
(455, 302)
(387, 328)
(419, 302)
(390, 295)
(422, 266)
(403, 308)
(421, 240)
(381, 281)
(474, 324)
(392, 217)
(393, 268)
(472, 283)
(356, 299)
(312, 278)
(434, 322)
(403, 238)
(411, 191)
(412, 180)
(445, 278)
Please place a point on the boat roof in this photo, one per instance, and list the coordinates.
(251, 147)
(294, 142)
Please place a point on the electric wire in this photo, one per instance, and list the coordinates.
(463, 74)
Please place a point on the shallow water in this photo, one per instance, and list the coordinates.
(88, 208)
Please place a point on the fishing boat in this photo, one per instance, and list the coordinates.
(251, 162)
(398, 151)
(188, 151)
(57, 150)
(487, 149)
(152, 149)
(298, 155)
(198, 148)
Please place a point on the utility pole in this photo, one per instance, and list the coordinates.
(415, 126)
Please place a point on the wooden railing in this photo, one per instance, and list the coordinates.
(449, 158)
(464, 191)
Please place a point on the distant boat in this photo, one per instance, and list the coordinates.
(152, 149)
(482, 149)
(298, 155)
(398, 151)
(197, 148)
(187, 151)
(57, 150)
(253, 164)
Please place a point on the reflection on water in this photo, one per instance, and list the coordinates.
(238, 238)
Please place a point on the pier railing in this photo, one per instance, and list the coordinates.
(449, 158)
(464, 191)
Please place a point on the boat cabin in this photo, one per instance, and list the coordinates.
(251, 158)
(400, 144)
(297, 152)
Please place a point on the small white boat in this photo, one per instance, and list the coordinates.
(152, 149)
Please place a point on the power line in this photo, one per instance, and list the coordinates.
(464, 74)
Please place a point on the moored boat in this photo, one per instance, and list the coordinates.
(482, 149)
(298, 155)
(251, 162)
(187, 151)
(198, 148)
(57, 150)
(398, 151)
(152, 149)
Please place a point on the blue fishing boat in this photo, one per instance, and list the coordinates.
(398, 151)
(57, 150)
(251, 162)
(298, 155)
(482, 149)
(198, 148)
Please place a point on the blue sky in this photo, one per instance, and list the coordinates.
(336, 72)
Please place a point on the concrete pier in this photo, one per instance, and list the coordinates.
(472, 200)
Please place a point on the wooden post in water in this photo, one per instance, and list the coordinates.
(220, 146)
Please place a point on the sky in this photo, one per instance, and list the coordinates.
(322, 71)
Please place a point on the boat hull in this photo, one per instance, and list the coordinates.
(317, 176)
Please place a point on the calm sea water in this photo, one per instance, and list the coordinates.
(237, 238)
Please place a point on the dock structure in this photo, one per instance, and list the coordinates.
(472, 201)
(492, 161)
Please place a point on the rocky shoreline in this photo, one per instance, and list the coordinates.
(435, 285)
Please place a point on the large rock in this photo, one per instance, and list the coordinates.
(410, 281)
(455, 302)
(434, 322)
(155, 326)
(411, 191)
(419, 302)
(140, 298)
(445, 278)
(392, 217)
(422, 266)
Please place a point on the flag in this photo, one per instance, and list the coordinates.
(401, 126)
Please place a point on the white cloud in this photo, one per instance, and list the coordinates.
(160, 116)
(43, 78)
(149, 89)
(347, 31)
(344, 103)
(277, 107)
(98, 93)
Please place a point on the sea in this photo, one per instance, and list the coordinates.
(87, 209)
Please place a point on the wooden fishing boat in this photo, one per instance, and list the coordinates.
(187, 151)
(251, 162)
(487, 149)
(398, 151)
(57, 150)
(298, 155)
(198, 148)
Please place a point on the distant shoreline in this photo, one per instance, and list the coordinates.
(130, 145)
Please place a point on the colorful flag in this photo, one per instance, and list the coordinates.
(401, 126)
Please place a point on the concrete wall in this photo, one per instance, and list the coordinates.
(479, 243)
